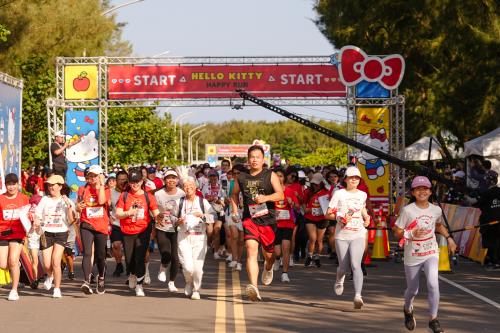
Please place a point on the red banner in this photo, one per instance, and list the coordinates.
(221, 81)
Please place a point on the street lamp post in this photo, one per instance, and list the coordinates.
(196, 143)
(179, 118)
(112, 9)
(190, 136)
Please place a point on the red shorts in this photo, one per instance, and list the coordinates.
(263, 234)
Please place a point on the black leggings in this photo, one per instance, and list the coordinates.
(167, 244)
(99, 240)
(135, 248)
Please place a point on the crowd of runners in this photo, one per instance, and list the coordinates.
(242, 213)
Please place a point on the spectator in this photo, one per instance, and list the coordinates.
(57, 149)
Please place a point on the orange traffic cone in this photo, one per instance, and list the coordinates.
(371, 231)
(378, 246)
(368, 259)
(444, 257)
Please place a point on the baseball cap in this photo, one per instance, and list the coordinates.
(301, 174)
(11, 178)
(59, 133)
(421, 181)
(170, 173)
(352, 171)
(55, 179)
(459, 174)
(317, 178)
(95, 169)
(213, 173)
(135, 176)
(151, 169)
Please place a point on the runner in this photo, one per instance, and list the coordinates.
(12, 232)
(285, 225)
(416, 226)
(116, 236)
(213, 193)
(134, 209)
(92, 203)
(53, 215)
(348, 207)
(260, 188)
(166, 232)
(194, 213)
(316, 223)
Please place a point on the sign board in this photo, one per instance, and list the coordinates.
(215, 151)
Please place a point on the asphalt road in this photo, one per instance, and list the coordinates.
(306, 304)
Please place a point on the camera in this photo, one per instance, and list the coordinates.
(6, 232)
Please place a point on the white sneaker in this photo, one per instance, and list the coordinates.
(57, 293)
(48, 282)
(162, 275)
(291, 263)
(195, 295)
(139, 291)
(147, 277)
(232, 264)
(238, 267)
(229, 258)
(171, 287)
(13, 295)
(339, 288)
(217, 256)
(253, 293)
(285, 278)
(267, 276)
(358, 302)
(276, 265)
(132, 281)
(188, 290)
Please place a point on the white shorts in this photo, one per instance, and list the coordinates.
(33, 240)
(230, 222)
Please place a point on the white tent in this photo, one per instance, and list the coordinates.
(487, 146)
(419, 150)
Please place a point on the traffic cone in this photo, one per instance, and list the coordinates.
(444, 257)
(371, 231)
(4, 277)
(368, 259)
(378, 246)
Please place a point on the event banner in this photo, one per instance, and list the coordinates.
(222, 81)
(81, 126)
(214, 152)
(10, 129)
(373, 130)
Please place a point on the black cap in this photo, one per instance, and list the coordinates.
(11, 178)
(135, 176)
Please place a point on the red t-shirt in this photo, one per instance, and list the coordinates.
(316, 214)
(158, 183)
(9, 215)
(296, 188)
(284, 211)
(94, 214)
(127, 225)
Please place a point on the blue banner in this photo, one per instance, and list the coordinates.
(371, 90)
(81, 125)
(10, 128)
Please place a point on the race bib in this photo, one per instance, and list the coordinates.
(282, 214)
(10, 214)
(94, 212)
(140, 213)
(317, 211)
(258, 210)
(421, 248)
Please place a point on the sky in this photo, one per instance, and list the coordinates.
(226, 28)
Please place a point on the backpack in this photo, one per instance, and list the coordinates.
(181, 204)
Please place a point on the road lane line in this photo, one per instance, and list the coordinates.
(473, 293)
(239, 314)
(220, 308)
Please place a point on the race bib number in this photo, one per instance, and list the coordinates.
(316, 211)
(10, 214)
(420, 248)
(282, 214)
(258, 210)
(140, 213)
(94, 212)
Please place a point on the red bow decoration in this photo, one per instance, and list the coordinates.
(89, 120)
(381, 136)
(356, 66)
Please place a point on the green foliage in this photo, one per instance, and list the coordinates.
(451, 52)
(4, 32)
(336, 155)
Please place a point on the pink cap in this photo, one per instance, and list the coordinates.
(421, 181)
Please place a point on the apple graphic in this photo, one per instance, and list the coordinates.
(82, 82)
(380, 189)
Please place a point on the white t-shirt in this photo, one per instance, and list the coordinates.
(194, 225)
(349, 203)
(53, 214)
(419, 250)
(167, 204)
(115, 195)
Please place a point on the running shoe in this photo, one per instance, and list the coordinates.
(238, 267)
(171, 287)
(253, 293)
(435, 326)
(132, 281)
(217, 256)
(284, 277)
(317, 262)
(232, 264)
(339, 287)
(195, 295)
(267, 276)
(57, 293)
(308, 262)
(410, 321)
(358, 302)
(188, 289)
(276, 265)
(100, 289)
(291, 262)
(48, 283)
(86, 289)
(139, 291)
(13, 295)
(162, 275)
(118, 270)
(71, 276)
(229, 258)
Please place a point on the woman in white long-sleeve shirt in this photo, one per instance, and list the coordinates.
(194, 213)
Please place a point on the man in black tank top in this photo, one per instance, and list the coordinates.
(260, 189)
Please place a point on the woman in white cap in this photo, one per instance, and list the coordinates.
(12, 232)
(93, 202)
(416, 227)
(53, 215)
(194, 213)
(166, 232)
(348, 207)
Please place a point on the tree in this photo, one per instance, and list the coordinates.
(451, 52)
